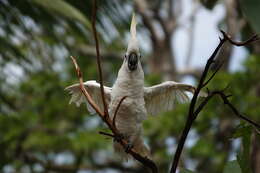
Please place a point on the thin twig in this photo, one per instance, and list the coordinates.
(242, 43)
(83, 89)
(94, 13)
(235, 111)
(225, 97)
(107, 134)
(214, 73)
(193, 113)
(117, 108)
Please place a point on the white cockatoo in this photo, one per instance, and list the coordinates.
(140, 101)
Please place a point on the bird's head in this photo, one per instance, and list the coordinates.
(132, 56)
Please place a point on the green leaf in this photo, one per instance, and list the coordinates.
(232, 167)
(64, 9)
(242, 130)
(250, 9)
(182, 170)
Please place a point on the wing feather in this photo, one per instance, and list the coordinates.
(93, 89)
(163, 97)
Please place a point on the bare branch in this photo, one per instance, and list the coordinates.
(83, 89)
(107, 134)
(117, 108)
(98, 57)
(214, 73)
(233, 108)
(242, 43)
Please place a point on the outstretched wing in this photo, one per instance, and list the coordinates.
(93, 89)
(164, 96)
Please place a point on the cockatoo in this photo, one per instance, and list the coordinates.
(140, 101)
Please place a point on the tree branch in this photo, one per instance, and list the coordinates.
(214, 73)
(117, 108)
(93, 22)
(234, 109)
(193, 113)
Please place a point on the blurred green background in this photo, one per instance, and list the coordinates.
(40, 132)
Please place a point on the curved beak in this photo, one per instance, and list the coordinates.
(132, 61)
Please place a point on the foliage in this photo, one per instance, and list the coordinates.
(37, 38)
(250, 9)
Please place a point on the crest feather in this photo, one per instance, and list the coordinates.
(133, 43)
(133, 26)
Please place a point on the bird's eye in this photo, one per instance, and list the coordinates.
(125, 56)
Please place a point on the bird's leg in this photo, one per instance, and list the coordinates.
(131, 140)
(121, 136)
(129, 146)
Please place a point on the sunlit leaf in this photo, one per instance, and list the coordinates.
(64, 9)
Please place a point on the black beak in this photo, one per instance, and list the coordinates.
(132, 61)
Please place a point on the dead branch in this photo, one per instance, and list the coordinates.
(93, 22)
(193, 111)
(117, 108)
(83, 89)
(224, 97)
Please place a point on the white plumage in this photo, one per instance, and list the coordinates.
(140, 102)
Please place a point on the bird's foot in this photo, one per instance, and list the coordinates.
(128, 147)
(119, 137)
